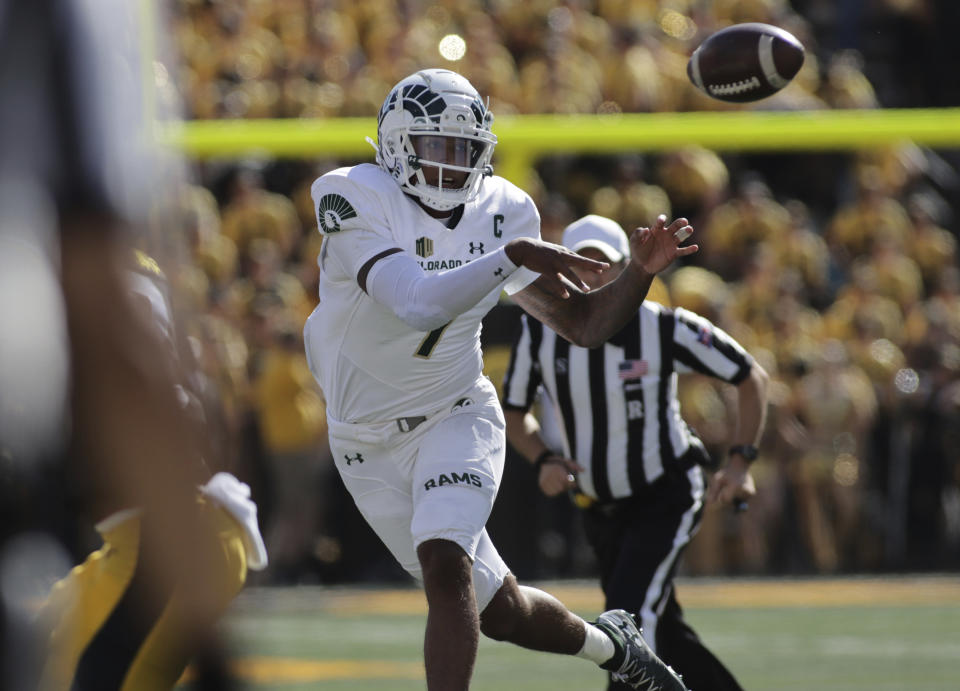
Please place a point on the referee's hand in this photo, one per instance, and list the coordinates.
(732, 484)
(558, 475)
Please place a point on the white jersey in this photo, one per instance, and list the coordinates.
(371, 365)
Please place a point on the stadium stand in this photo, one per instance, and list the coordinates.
(840, 270)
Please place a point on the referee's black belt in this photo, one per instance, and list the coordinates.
(693, 456)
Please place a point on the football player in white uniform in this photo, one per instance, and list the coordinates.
(417, 250)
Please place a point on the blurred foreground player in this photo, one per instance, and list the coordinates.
(106, 630)
(88, 382)
(417, 250)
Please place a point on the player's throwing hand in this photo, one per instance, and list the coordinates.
(654, 249)
(553, 263)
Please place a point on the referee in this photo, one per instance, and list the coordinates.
(635, 465)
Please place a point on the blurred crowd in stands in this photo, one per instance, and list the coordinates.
(323, 58)
(838, 271)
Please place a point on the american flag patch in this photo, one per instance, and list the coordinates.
(705, 336)
(631, 369)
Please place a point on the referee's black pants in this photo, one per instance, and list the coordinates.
(638, 543)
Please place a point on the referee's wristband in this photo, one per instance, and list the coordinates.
(542, 458)
(748, 452)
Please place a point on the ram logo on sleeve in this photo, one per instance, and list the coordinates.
(332, 211)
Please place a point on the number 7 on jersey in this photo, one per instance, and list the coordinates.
(429, 342)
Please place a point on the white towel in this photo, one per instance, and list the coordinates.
(234, 496)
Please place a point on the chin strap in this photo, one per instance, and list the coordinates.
(444, 206)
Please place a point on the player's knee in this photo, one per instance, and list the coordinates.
(500, 618)
(444, 564)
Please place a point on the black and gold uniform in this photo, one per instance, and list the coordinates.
(108, 630)
(103, 637)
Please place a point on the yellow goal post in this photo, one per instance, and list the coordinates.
(524, 138)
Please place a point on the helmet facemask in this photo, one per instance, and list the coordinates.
(441, 105)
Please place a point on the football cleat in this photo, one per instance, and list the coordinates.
(634, 663)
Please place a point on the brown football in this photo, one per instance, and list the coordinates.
(745, 62)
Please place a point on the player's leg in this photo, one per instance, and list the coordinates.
(456, 476)
(534, 619)
(452, 632)
(430, 522)
(441, 565)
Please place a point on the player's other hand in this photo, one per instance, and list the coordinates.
(558, 474)
(554, 263)
(654, 249)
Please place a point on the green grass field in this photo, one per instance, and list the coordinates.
(894, 634)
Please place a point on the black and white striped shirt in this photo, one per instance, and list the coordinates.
(617, 404)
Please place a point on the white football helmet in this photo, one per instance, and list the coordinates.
(440, 103)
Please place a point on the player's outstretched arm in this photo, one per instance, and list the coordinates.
(554, 263)
(588, 319)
